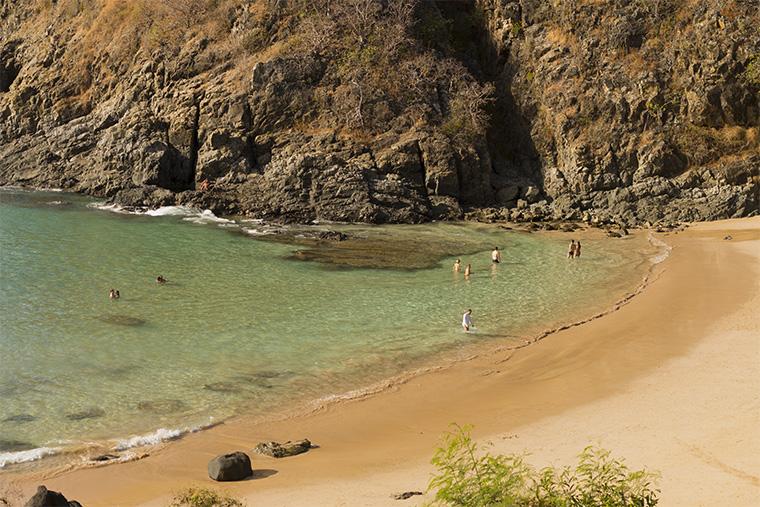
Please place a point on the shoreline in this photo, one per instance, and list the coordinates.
(51, 461)
(57, 457)
(97, 486)
(125, 449)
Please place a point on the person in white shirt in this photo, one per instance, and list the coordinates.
(467, 320)
(496, 255)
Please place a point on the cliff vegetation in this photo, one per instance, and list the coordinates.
(388, 110)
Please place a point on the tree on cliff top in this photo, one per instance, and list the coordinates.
(385, 71)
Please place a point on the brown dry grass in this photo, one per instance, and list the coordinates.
(560, 37)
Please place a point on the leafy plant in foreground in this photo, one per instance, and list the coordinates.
(468, 477)
(203, 497)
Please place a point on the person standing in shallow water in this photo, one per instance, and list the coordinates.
(467, 320)
(468, 271)
(457, 265)
(578, 249)
(571, 250)
(496, 255)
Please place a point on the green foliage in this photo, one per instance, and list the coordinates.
(202, 497)
(517, 29)
(467, 477)
(432, 29)
(752, 72)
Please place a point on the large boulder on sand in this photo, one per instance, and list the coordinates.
(277, 450)
(235, 466)
(46, 498)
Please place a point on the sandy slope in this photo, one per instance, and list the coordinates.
(671, 381)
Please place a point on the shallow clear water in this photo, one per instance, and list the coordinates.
(241, 325)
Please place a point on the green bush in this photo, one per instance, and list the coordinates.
(203, 497)
(467, 477)
(752, 72)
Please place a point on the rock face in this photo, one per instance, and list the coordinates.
(627, 111)
(46, 498)
(235, 466)
(277, 450)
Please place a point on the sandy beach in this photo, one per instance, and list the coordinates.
(670, 381)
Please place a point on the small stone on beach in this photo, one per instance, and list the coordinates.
(47, 498)
(406, 495)
(234, 466)
(105, 457)
(277, 450)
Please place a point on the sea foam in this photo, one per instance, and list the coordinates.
(663, 249)
(154, 438)
(159, 436)
(167, 211)
(12, 458)
(207, 217)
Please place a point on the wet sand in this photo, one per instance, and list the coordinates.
(670, 381)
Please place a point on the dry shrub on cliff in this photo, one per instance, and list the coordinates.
(384, 71)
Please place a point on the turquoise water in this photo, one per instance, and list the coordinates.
(242, 325)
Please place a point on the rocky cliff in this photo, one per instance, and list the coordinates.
(388, 111)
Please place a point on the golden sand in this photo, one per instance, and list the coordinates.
(670, 381)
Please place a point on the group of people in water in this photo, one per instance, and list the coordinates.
(114, 294)
(495, 259)
(574, 250)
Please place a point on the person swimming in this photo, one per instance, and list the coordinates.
(571, 250)
(113, 294)
(467, 320)
(160, 280)
(496, 255)
(457, 265)
(468, 271)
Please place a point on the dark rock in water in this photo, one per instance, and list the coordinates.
(235, 466)
(105, 457)
(162, 406)
(20, 418)
(277, 450)
(332, 236)
(89, 413)
(222, 387)
(122, 320)
(406, 495)
(46, 498)
(268, 374)
(15, 445)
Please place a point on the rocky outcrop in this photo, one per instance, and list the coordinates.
(277, 450)
(235, 466)
(634, 111)
(621, 111)
(46, 498)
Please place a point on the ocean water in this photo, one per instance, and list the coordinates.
(247, 325)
